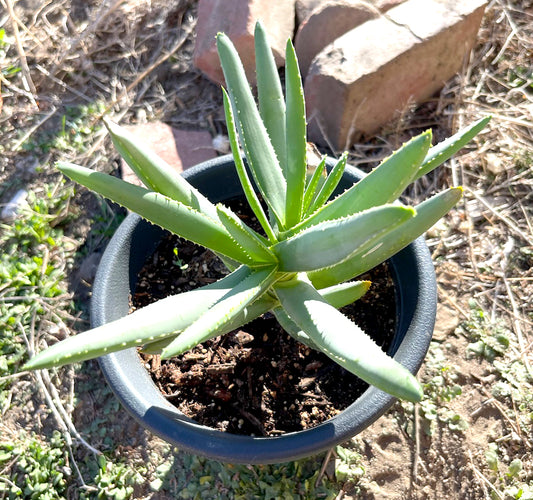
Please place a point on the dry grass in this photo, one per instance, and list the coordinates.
(134, 59)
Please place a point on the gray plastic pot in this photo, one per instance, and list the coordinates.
(135, 240)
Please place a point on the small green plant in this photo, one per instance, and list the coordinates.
(311, 247)
(37, 470)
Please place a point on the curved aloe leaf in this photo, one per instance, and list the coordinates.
(161, 210)
(344, 342)
(223, 312)
(331, 242)
(255, 141)
(315, 184)
(337, 295)
(427, 214)
(296, 138)
(247, 187)
(155, 173)
(152, 323)
(329, 186)
(383, 185)
(444, 150)
(252, 243)
(270, 94)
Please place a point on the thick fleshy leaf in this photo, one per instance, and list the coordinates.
(296, 138)
(246, 184)
(255, 141)
(338, 296)
(270, 94)
(427, 214)
(332, 181)
(156, 174)
(344, 342)
(159, 320)
(383, 185)
(331, 242)
(223, 312)
(252, 243)
(444, 150)
(314, 185)
(161, 210)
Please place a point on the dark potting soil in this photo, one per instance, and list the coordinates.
(256, 380)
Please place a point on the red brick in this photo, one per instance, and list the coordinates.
(237, 18)
(364, 78)
(330, 20)
(179, 148)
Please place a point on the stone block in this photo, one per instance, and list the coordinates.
(179, 148)
(360, 82)
(237, 18)
(305, 7)
(332, 19)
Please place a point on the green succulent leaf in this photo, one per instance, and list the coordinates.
(223, 312)
(156, 174)
(383, 185)
(161, 210)
(246, 184)
(316, 181)
(337, 295)
(332, 181)
(444, 150)
(331, 242)
(270, 94)
(251, 242)
(161, 320)
(344, 342)
(255, 141)
(293, 329)
(427, 214)
(296, 138)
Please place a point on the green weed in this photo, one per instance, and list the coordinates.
(33, 469)
(32, 273)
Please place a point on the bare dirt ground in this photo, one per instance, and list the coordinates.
(471, 437)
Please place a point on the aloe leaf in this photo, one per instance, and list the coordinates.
(247, 187)
(332, 181)
(338, 296)
(293, 329)
(223, 312)
(161, 210)
(270, 94)
(344, 342)
(296, 137)
(156, 174)
(255, 309)
(428, 213)
(252, 243)
(314, 185)
(331, 242)
(255, 141)
(162, 319)
(383, 185)
(444, 150)
(344, 294)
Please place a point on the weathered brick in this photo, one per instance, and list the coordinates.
(237, 19)
(179, 148)
(330, 20)
(361, 80)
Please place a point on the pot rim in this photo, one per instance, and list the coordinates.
(135, 389)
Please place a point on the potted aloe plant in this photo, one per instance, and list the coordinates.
(299, 267)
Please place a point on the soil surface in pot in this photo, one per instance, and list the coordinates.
(256, 380)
